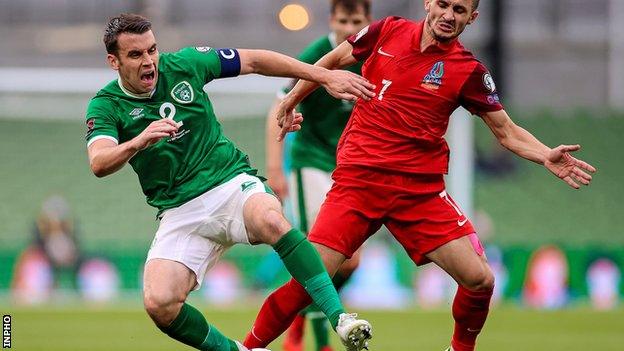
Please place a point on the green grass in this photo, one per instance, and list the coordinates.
(509, 329)
(532, 206)
(40, 158)
(529, 207)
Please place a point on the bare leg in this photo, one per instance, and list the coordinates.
(465, 262)
(166, 286)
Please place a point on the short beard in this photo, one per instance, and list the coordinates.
(438, 38)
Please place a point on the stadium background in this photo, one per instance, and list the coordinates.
(561, 74)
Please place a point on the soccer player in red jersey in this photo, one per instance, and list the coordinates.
(392, 157)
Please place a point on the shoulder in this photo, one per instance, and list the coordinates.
(106, 100)
(185, 56)
(190, 51)
(465, 60)
(101, 105)
(105, 97)
(393, 23)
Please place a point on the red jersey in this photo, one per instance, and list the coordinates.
(402, 128)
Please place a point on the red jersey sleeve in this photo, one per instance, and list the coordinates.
(478, 94)
(364, 42)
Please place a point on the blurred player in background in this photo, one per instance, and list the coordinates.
(157, 117)
(313, 154)
(392, 157)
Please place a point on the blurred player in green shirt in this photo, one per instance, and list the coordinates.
(313, 153)
(157, 117)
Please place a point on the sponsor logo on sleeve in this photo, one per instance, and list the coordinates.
(493, 99)
(90, 126)
(203, 48)
(433, 79)
(488, 82)
(361, 34)
(183, 92)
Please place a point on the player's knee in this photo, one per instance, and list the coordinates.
(274, 226)
(480, 280)
(163, 307)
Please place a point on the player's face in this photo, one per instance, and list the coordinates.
(345, 24)
(447, 19)
(136, 61)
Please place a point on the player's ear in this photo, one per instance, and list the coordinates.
(473, 17)
(427, 5)
(113, 61)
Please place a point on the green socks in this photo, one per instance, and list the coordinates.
(191, 328)
(318, 319)
(305, 265)
(319, 326)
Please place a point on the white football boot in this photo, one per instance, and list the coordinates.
(354, 333)
(243, 348)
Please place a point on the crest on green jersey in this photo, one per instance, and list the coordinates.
(182, 92)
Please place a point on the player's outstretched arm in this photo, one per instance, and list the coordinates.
(558, 160)
(340, 84)
(106, 157)
(338, 58)
(276, 179)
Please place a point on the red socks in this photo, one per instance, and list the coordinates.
(470, 310)
(277, 313)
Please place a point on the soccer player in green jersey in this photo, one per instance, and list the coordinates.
(313, 153)
(157, 118)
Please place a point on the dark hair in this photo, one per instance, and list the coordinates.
(475, 4)
(124, 23)
(351, 6)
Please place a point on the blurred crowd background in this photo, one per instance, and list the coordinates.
(559, 65)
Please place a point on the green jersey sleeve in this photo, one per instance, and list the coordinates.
(101, 121)
(210, 63)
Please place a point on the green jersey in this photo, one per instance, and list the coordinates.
(199, 157)
(325, 117)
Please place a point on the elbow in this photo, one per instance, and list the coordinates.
(98, 170)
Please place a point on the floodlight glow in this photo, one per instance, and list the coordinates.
(294, 17)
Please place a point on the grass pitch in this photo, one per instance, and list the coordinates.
(508, 329)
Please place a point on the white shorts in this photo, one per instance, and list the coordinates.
(198, 232)
(308, 189)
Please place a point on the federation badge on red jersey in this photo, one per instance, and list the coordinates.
(433, 79)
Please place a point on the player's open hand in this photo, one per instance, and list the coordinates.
(288, 119)
(573, 171)
(156, 131)
(347, 85)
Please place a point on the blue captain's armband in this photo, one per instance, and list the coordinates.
(230, 62)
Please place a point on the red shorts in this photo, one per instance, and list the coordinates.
(414, 207)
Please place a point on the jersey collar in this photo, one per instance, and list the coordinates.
(133, 95)
(435, 48)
